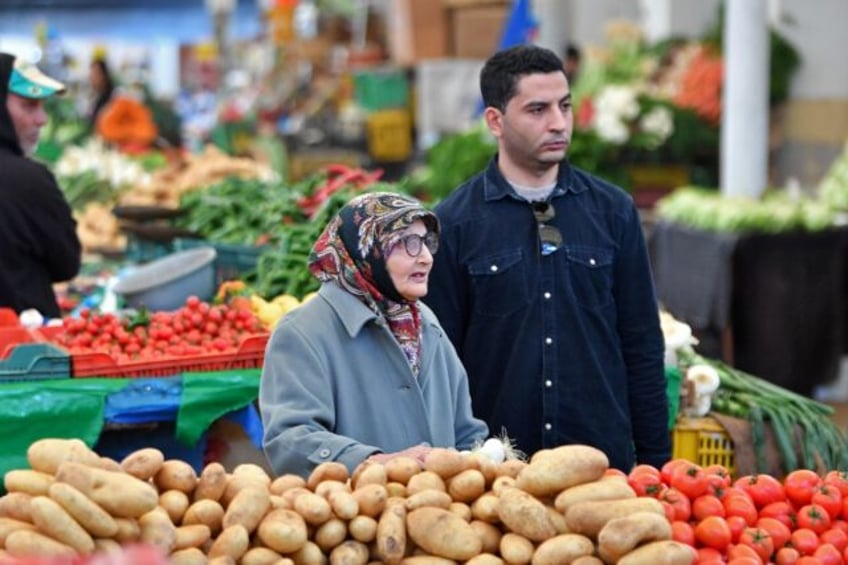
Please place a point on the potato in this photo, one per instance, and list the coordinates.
(236, 484)
(27, 481)
(15, 505)
(563, 548)
(119, 494)
(516, 549)
(587, 560)
(402, 468)
(371, 499)
(176, 474)
(562, 467)
(156, 529)
(502, 482)
(47, 454)
(326, 488)
(558, 520)
(9, 525)
(344, 504)
(622, 535)
(525, 515)
(285, 482)
(442, 533)
(482, 463)
(328, 470)
(233, 542)
(188, 556)
(314, 509)
(590, 516)
(510, 468)
(260, 556)
(85, 511)
(128, 530)
(485, 559)
(221, 560)
(423, 481)
(485, 508)
(211, 482)
(429, 497)
(248, 508)
(207, 512)
(444, 462)
(283, 531)
(143, 463)
(253, 471)
(391, 533)
(489, 534)
(51, 519)
(427, 560)
(107, 546)
(369, 473)
(309, 554)
(108, 464)
(330, 534)
(604, 489)
(461, 509)
(467, 485)
(349, 553)
(191, 536)
(396, 489)
(26, 543)
(660, 553)
(363, 528)
(175, 503)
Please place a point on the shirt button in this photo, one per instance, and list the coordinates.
(548, 427)
(324, 453)
(549, 383)
(548, 341)
(494, 268)
(591, 261)
(547, 296)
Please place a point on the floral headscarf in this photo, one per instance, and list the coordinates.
(352, 251)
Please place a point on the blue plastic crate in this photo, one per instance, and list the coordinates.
(35, 361)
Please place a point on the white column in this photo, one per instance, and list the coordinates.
(554, 24)
(744, 135)
(656, 19)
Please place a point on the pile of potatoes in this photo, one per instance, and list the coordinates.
(561, 507)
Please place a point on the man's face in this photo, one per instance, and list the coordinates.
(28, 117)
(535, 128)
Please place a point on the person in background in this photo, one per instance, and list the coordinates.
(102, 88)
(39, 244)
(543, 282)
(571, 63)
(363, 370)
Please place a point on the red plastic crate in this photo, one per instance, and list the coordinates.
(250, 354)
(11, 336)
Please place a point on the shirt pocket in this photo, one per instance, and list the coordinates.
(499, 283)
(590, 275)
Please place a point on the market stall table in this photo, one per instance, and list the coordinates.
(83, 408)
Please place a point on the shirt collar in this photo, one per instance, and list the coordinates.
(496, 187)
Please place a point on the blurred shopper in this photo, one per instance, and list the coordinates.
(543, 282)
(102, 88)
(38, 240)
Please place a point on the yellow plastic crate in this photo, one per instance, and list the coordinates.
(703, 441)
(389, 135)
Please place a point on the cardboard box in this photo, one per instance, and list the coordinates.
(476, 28)
(417, 30)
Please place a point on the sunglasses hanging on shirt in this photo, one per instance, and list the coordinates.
(549, 236)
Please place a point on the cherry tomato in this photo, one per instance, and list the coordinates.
(759, 540)
(814, 517)
(714, 532)
(800, 485)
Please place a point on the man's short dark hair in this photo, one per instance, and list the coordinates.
(502, 71)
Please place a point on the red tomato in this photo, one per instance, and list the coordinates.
(714, 532)
(644, 468)
(707, 505)
(786, 556)
(808, 560)
(828, 555)
(745, 560)
(836, 537)
(799, 486)
(840, 524)
(783, 511)
(683, 532)
(741, 506)
(805, 540)
(830, 498)
(690, 480)
(778, 531)
(668, 468)
(611, 472)
(679, 502)
(763, 488)
(718, 470)
(814, 517)
(759, 540)
(737, 524)
(709, 555)
(740, 550)
(838, 479)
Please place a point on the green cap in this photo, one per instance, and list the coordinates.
(27, 81)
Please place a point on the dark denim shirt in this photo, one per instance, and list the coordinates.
(563, 348)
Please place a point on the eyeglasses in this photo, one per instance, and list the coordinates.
(550, 236)
(414, 243)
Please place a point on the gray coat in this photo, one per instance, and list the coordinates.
(336, 386)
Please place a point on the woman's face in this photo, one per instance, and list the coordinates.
(410, 274)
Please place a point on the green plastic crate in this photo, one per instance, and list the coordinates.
(35, 361)
(232, 261)
(381, 89)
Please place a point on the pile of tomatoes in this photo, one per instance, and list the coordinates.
(197, 328)
(754, 519)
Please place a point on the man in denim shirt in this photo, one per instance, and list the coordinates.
(543, 282)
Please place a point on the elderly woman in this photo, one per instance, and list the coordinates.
(364, 370)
